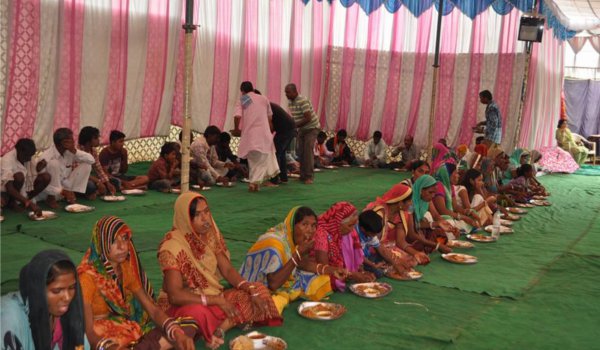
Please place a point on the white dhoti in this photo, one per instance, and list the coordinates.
(69, 179)
(263, 166)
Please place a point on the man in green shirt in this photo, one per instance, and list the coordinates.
(308, 128)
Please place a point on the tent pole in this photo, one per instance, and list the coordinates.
(436, 66)
(529, 49)
(189, 28)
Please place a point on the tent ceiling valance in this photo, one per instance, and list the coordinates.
(566, 17)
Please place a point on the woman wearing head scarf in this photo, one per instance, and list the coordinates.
(445, 199)
(427, 219)
(194, 258)
(440, 154)
(333, 224)
(398, 229)
(280, 259)
(46, 312)
(118, 298)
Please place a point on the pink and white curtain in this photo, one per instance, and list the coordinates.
(118, 64)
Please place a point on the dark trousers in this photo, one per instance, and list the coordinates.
(282, 142)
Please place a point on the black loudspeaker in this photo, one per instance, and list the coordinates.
(531, 29)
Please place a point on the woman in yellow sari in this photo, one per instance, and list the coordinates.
(194, 258)
(281, 260)
(565, 140)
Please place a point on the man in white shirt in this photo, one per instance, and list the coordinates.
(16, 173)
(375, 151)
(68, 167)
(204, 156)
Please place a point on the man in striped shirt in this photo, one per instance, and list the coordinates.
(308, 128)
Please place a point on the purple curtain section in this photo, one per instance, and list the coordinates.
(583, 109)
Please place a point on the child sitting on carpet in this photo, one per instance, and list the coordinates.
(164, 173)
(378, 259)
(114, 161)
(525, 175)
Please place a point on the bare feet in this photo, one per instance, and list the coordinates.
(252, 187)
(308, 181)
(51, 202)
(269, 184)
(68, 196)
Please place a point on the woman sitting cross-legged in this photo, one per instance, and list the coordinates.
(473, 196)
(118, 298)
(280, 259)
(194, 258)
(46, 312)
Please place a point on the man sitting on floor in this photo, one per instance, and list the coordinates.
(342, 154)
(14, 169)
(225, 154)
(375, 151)
(69, 169)
(211, 169)
(114, 161)
(409, 153)
(99, 183)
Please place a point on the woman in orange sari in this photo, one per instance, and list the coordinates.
(118, 298)
(194, 258)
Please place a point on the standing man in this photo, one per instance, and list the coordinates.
(492, 122)
(285, 130)
(308, 128)
(256, 142)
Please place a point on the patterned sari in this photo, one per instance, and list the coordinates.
(122, 317)
(195, 257)
(270, 253)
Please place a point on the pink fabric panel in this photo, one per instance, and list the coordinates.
(220, 90)
(317, 65)
(178, 95)
(23, 76)
(423, 33)
(390, 108)
(274, 55)
(323, 116)
(445, 84)
(156, 65)
(114, 104)
(347, 66)
(67, 112)
(296, 45)
(370, 76)
(250, 40)
(506, 62)
(469, 118)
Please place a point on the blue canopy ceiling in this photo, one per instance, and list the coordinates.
(470, 8)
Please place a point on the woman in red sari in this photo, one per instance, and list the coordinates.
(194, 258)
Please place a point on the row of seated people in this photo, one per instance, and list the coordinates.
(64, 171)
(107, 302)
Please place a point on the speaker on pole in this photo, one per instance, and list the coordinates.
(531, 29)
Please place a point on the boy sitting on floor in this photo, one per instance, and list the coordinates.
(114, 161)
(164, 173)
(323, 156)
(379, 259)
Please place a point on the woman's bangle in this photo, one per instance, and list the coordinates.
(431, 224)
(219, 333)
(239, 285)
(204, 299)
(437, 246)
(255, 295)
(318, 273)
(104, 343)
(298, 254)
(294, 261)
(166, 323)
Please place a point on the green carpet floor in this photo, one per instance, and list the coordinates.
(537, 288)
